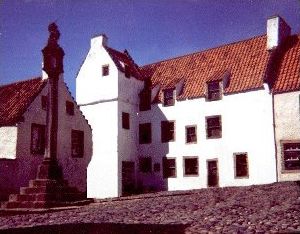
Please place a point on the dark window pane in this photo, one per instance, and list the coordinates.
(70, 108)
(191, 166)
(167, 131)
(213, 91)
(241, 165)
(169, 97)
(77, 144)
(145, 133)
(145, 165)
(105, 70)
(38, 138)
(191, 135)
(213, 127)
(169, 167)
(145, 100)
(291, 156)
(125, 120)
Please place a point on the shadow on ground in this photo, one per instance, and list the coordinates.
(103, 228)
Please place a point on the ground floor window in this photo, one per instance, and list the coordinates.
(77, 144)
(145, 164)
(38, 138)
(169, 167)
(241, 165)
(190, 166)
(291, 156)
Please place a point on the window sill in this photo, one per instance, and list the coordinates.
(290, 171)
(241, 177)
(192, 175)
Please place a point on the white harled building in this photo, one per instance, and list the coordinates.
(211, 118)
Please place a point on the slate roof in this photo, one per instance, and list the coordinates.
(15, 98)
(246, 62)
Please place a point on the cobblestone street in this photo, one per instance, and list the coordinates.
(254, 209)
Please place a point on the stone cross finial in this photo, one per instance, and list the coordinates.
(54, 33)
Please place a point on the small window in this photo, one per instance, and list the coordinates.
(291, 156)
(105, 70)
(127, 71)
(169, 167)
(145, 100)
(145, 165)
(167, 131)
(214, 91)
(156, 167)
(213, 127)
(77, 143)
(145, 133)
(191, 134)
(38, 138)
(69, 108)
(241, 165)
(125, 120)
(44, 101)
(169, 99)
(190, 166)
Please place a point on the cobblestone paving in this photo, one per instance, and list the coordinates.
(255, 209)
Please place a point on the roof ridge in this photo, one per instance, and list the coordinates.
(21, 81)
(202, 51)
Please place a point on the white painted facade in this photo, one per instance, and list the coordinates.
(287, 129)
(246, 128)
(18, 165)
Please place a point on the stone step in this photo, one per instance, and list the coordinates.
(42, 182)
(22, 197)
(41, 189)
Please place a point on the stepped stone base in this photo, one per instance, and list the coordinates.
(46, 191)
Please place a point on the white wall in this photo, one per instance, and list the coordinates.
(8, 142)
(246, 127)
(17, 173)
(287, 122)
(128, 100)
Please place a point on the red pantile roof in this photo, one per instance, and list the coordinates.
(15, 98)
(246, 63)
(119, 57)
(287, 66)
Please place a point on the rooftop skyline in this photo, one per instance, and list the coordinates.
(150, 30)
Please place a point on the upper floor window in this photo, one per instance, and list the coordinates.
(167, 131)
(241, 165)
(69, 108)
(169, 97)
(145, 134)
(191, 134)
(190, 166)
(291, 156)
(125, 120)
(213, 127)
(145, 100)
(214, 91)
(127, 71)
(38, 138)
(169, 167)
(105, 70)
(44, 101)
(145, 164)
(77, 143)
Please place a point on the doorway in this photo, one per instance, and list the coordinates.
(128, 178)
(212, 173)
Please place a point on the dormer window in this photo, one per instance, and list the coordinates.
(105, 70)
(169, 97)
(127, 71)
(214, 91)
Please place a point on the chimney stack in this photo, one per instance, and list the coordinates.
(277, 31)
(99, 41)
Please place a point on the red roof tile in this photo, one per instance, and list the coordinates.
(287, 65)
(119, 57)
(15, 98)
(246, 61)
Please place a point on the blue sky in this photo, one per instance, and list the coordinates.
(151, 30)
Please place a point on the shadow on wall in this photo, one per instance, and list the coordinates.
(104, 228)
(154, 179)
